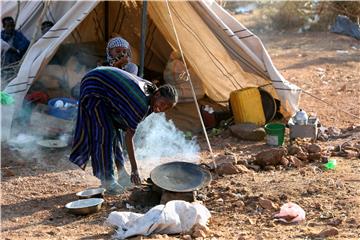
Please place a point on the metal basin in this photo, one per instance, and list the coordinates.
(91, 193)
(85, 206)
(52, 143)
(180, 177)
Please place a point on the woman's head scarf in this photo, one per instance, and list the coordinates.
(116, 42)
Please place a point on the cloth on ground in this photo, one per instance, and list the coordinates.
(343, 25)
(175, 217)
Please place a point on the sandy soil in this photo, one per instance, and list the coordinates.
(34, 191)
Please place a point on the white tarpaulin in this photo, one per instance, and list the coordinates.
(173, 218)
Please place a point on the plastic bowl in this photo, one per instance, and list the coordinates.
(91, 193)
(85, 206)
(63, 113)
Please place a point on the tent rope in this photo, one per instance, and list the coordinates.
(332, 105)
(188, 79)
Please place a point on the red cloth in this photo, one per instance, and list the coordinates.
(37, 97)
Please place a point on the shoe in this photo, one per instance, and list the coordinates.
(124, 178)
(113, 188)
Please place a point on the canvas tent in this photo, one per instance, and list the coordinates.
(222, 54)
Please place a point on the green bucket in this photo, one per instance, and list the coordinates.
(275, 133)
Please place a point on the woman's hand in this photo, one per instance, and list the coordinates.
(121, 62)
(135, 178)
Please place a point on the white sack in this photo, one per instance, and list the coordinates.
(174, 217)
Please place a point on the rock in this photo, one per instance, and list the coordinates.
(314, 156)
(269, 168)
(250, 221)
(186, 237)
(335, 222)
(351, 221)
(201, 197)
(270, 157)
(169, 196)
(314, 148)
(239, 204)
(230, 158)
(284, 161)
(248, 131)
(296, 162)
(7, 173)
(333, 131)
(199, 231)
(220, 200)
(294, 149)
(302, 156)
(242, 169)
(226, 169)
(328, 232)
(267, 204)
(254, 167)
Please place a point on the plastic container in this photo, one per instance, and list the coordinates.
(67, 113)
(275, 133)
(247, 107)
(331, 164)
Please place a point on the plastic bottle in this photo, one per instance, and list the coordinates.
(331, 164)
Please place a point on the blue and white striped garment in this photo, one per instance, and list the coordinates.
(109, 100)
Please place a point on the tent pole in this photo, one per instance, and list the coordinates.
(143, 38)
(106, 20)
(191, 84)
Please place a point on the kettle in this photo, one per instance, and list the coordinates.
(300, 117)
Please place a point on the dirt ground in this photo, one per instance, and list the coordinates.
(34, 191)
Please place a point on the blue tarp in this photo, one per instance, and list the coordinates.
(343, 25)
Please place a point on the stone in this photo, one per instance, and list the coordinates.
(242, 169)
(248, 131)
(302, 156)
(186, 237)
(270, 157)
(7, 173)
(254, 167)
(226, 169)
(314, 156)
(169, 196)
(294, 149)
(284, 161)
(199, 231)
(267, 204)
(328, 232)
(250, 221)
(335, 222)
(314, 148)
(239, 204)
(296, 162)
(224, 159)
(269, 168)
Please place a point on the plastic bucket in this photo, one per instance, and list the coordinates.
(275, 133)
(247, 107)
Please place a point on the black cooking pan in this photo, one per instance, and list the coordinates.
(180, 176)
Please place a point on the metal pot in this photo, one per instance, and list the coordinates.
(91, 193)
(85, 206)
(300, 117)
(180, 176)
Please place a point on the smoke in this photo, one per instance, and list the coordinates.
(158, 141)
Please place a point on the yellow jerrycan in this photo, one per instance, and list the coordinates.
(246, 106)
